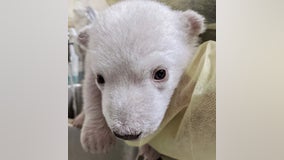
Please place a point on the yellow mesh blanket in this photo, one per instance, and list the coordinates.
(188, 131)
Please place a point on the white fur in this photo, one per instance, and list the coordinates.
(126, 44)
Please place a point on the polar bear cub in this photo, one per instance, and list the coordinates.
(136, 54)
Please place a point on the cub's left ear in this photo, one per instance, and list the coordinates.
(194, 22)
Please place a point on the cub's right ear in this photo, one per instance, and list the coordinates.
(83, 36)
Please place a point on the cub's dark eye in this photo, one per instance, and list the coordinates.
(160, 74)
(100, 79)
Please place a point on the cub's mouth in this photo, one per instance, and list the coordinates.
(128, 136)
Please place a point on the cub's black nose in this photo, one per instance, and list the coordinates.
(127, 136)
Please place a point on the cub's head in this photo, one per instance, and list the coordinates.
(138, 51)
